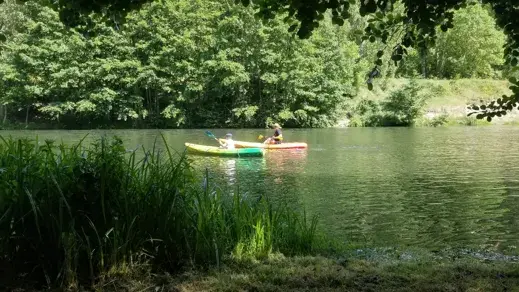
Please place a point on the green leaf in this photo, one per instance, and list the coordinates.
(3, 38)
(396, 57)
(338, 21)
(514, 62)
(322, 7)
(362, 10)
(513, 80)
(346, 6)
(371, 6)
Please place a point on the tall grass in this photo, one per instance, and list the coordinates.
(70, 214)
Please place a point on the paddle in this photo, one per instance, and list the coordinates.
(260, 137)
(210, 135)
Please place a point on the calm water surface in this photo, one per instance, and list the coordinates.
(422, 187)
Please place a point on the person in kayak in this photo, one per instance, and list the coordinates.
(278, 136)
(229, 142)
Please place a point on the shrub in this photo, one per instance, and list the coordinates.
(403, 106)
(440, 120)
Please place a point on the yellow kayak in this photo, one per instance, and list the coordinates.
(216, 151)
(241, 144)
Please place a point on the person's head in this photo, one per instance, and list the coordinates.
(228, 136)
(276, 126)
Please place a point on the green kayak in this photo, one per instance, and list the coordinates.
(216, 151)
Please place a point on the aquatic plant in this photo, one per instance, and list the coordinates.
(71, 214)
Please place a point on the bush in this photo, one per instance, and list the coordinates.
(69, 215)
(404, 105)
(402, 108)
(440, 120)
(367, 113)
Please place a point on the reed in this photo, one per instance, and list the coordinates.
(71, 215)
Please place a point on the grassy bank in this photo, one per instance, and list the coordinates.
(443, 94)
(393, 271)
(77, 215)
(445, 102)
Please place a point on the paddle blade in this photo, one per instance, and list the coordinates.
(209, 134)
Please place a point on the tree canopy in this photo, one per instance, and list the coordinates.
(178, 63)
(398, 25)
(414, 26)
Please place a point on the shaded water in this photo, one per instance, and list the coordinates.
(423, 187)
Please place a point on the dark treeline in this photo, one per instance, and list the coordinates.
(209, 63)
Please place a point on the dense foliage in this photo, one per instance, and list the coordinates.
(180, 63)
(471, 49)
(177, 63)
(401, 108)
(414, 26)
(70, 214)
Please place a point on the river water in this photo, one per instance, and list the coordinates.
(432, 188)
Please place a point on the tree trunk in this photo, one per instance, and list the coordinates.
(423, 56)
(5, 114)
(27, 117)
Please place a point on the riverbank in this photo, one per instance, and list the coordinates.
(445, 101)
(356, 270)
(75, 214)
(446, 105)
(385, 270)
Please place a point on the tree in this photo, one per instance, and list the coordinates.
(405, 105)
(471, 49)
(189, 63)
(415, 27)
